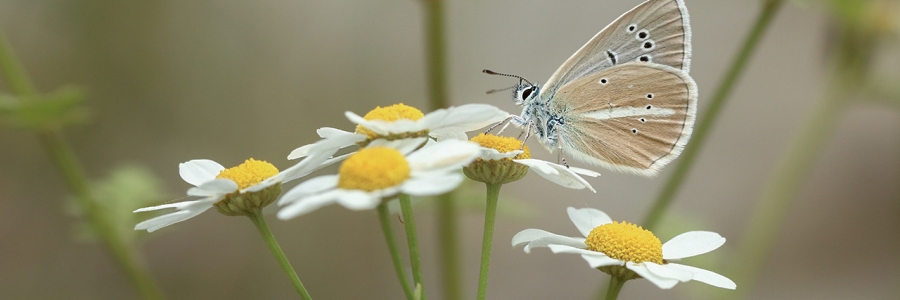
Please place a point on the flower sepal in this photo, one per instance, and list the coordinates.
(619, 271)
(495, 171)
(242, 204)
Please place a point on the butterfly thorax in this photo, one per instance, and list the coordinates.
(537, 114)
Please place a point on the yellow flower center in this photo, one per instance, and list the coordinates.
(249, 173)
(624, 241)
(391, 113)
(373, 169)
(503, 144)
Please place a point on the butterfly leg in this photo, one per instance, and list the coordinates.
(527, 134)
(498, 124)
(560, 158)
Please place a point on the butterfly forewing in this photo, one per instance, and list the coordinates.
(656, 31)
(634, 117)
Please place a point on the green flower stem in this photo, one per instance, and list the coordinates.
(490, 214)
(615, 286)
(447, 244)
(409, 222)
(436, 53)
(701, 131)
(435, 39)
(784, 185)
(266, 234)
(385, 217)
(124, 254)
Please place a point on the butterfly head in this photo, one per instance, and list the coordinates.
(525, 92)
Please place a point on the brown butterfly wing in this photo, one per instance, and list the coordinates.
(634, 117)
(661, 34)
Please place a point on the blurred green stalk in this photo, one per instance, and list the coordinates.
(64, 158)
(701, 131)
(435, 40)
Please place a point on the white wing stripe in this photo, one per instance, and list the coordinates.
(628, 111)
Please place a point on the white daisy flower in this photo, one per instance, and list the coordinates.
(377, 173)
(501, 161)
(235, 191)
(623, 249)
(400, 121)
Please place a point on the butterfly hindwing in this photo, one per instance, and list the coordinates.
(633, 117)
(656, 31)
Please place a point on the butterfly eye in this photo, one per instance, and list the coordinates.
(527, 93)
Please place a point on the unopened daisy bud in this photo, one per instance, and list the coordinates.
(249, 173)
(498, 169)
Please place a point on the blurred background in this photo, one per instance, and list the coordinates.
(170, 81)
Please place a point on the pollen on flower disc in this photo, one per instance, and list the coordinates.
(391, 113)
(249, 173)
(373, 169)
(503, 144)
(625, 241)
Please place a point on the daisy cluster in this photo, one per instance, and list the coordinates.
(400, 150)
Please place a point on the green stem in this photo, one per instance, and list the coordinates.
(267, 236)
(70, 168)
(615, 286)
(385, 217)
(447, 244)
(409, 222)
(784, 185)
(701, 131)
(436, 53)
(435, 39)
(490, 214)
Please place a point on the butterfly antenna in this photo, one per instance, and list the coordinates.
(489, 72)
(500, 90)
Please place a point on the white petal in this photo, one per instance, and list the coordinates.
(464, 118)
(449, 135)
(432, 185)
(493, 154)
(662, 282)
(198, 171)
(308, 204)
(584, 172)
(358, 200)
(558, 174)
(556, 248)
(667, 272)
(598, 259)
(309, 187)
(691, 244)
(536, 238)
(302, 151)
(405, 146)
(307, 166)
(706, 276)
(586, 219)
(442, 155)
(185, 212)
(328, 132)
(178, 205)
(214, 187)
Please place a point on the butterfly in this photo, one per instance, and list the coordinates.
(624, 101)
